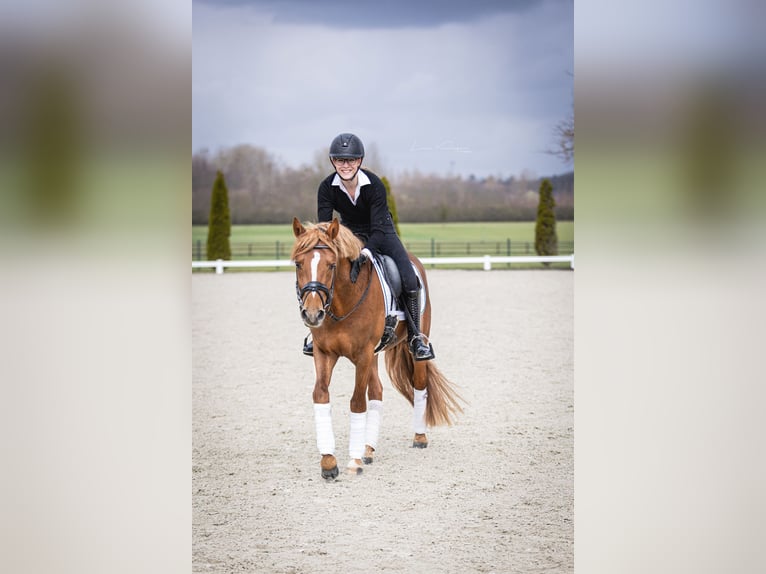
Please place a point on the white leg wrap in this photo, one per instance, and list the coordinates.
(323, 422)
(419, 411)
(356, 435)
(374, 413)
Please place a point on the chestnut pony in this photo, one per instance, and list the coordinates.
(347, 320)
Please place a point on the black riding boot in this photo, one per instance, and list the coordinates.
(308, 346)
(418, 347)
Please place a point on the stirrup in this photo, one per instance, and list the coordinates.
(308, 347)
(421, 352)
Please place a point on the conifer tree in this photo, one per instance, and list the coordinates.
(391, 204)
(546, 241)
(219, 222)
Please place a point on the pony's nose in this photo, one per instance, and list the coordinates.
(312, 318)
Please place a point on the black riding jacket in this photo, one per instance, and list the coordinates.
(369, 218)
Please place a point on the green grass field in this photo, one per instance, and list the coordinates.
(481, 231)
(493, 236)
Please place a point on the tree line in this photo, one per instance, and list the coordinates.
(262, 190)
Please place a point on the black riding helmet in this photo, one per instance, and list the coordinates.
(346, 146)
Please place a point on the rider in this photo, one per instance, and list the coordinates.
(359, 197)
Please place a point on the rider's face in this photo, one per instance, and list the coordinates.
(346, 168)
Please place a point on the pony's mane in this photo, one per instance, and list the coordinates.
(346, 244)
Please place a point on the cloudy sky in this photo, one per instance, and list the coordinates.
(468, 87)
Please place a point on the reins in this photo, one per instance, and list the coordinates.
(358, 303)
(321, 289)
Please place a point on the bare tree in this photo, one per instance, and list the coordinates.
(564, 134)
(263, 190)
(565, 138)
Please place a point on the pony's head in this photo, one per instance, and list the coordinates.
(318, 251)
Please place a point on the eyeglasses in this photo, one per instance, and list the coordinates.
(344, 160)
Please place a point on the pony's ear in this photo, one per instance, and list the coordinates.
(332, 230)
(298, 228)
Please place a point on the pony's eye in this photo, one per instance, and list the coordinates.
(332, 266)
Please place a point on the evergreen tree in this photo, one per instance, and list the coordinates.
(219, 222)
(391, 204)
(546, 241)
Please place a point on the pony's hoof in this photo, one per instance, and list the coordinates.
(367, 458)
(329, 474)
(354, 467)
(420, 441)
(329, 466)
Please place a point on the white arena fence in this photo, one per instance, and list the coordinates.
(486, 261)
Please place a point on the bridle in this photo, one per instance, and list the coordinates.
(325, 293)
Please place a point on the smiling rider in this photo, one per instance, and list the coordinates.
(359, 196)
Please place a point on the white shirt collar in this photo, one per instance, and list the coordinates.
(361, 180)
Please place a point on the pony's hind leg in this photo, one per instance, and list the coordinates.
(420, 440)
(419, 419)
(419, 405)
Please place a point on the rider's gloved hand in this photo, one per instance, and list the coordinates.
(356, 264)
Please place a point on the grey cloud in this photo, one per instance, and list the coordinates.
(377, 14)
(480, 97)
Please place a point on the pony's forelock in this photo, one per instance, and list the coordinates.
(346, 244)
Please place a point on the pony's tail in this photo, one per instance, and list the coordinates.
(443, 403)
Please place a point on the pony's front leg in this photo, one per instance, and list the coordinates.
(323, 414)
(374, 412)
(357, 423)
(363, 424)
(365, 429)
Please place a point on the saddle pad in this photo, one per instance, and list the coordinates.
(391, 304)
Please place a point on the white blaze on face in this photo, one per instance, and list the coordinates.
(314, 267)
